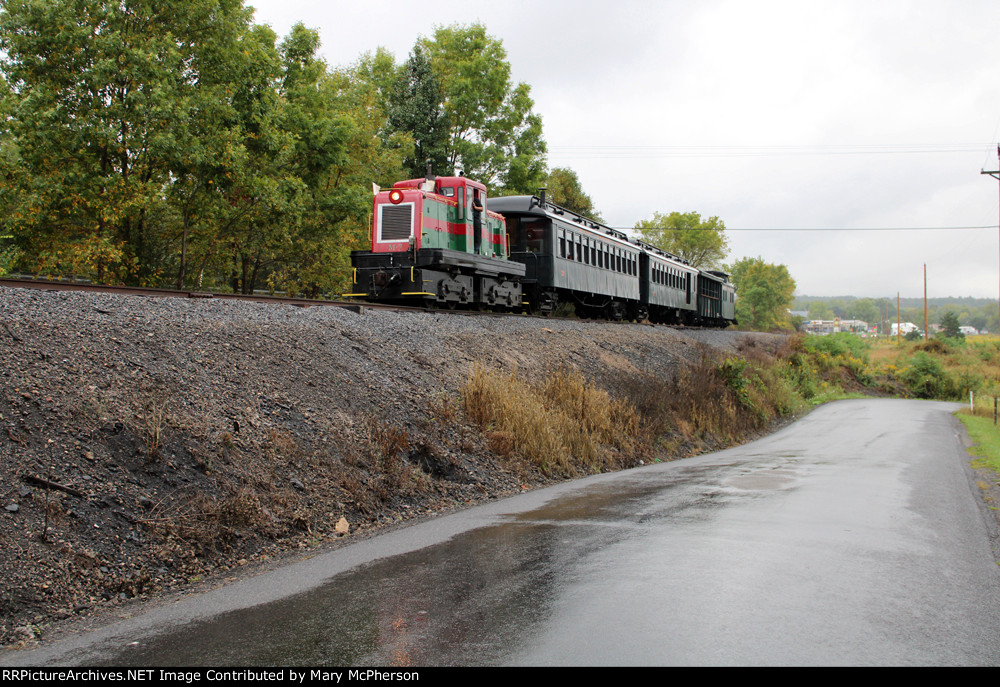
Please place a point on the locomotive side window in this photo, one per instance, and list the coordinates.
(515, 235)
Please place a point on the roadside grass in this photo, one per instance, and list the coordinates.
(568, 426)
(835, 394)
(986, 438)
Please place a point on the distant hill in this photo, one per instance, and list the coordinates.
(980, 313)
(802, 302)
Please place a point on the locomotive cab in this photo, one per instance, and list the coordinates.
(454, 216)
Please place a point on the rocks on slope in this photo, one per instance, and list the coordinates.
(146, 443)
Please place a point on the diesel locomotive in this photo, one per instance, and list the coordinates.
(439, 241)
(435, 242)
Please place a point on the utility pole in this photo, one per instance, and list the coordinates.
(925, 301)
(994, 174)
(897, 319)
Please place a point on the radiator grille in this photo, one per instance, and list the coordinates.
(397, 222)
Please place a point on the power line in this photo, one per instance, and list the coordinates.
(649, 151)
(985, 226)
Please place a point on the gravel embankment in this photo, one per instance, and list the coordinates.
(180, 439)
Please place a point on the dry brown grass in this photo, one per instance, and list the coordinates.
(207, 522)
(562, 424)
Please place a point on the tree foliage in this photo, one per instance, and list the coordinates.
(564, 189)
(493, 134)
(764, 293)
(146, 144)
(949, 326)
(416, 107)
(820, 310)
(703, 243)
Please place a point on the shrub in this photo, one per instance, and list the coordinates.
(840, 345)
(927, 378)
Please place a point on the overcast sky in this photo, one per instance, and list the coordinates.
(843, 115)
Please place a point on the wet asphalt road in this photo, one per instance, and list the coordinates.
(852, 537)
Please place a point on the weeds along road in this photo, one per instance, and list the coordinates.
(853, 536)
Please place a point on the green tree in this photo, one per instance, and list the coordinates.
(416, 107)
(494, 136)
(564, 189)
(864, 309)
(222, 157)
(703, 243)
(337, 211)
(101, 90)
(820, 310)
(949, 326)
(764, 293)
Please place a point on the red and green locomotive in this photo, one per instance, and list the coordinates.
(436, 243)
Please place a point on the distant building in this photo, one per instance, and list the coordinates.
(903, 328)
(824, 327)
(968, 331)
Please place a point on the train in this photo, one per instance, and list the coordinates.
(439, 241)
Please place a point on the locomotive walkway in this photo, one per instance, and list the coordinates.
(852, 537)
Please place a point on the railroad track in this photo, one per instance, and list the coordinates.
(61, 285)
(356, 306)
